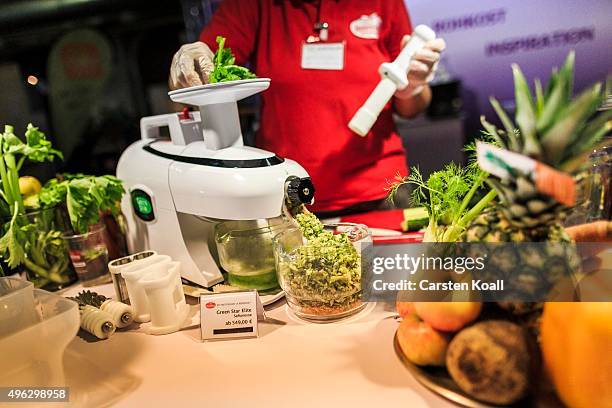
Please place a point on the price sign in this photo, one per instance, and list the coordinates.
(230, 314)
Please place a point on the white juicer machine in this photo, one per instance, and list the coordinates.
(179, 188)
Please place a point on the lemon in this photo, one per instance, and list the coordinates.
(29, 186)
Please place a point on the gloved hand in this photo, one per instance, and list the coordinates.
(422, 67)
(191, 65)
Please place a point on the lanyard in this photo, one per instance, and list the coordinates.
(321, 28)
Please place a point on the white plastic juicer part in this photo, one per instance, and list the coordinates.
(167, 306)
(117, 265)
(35, 328)
(220, 122)
(132, 275)
(156, 293)
(393, 77)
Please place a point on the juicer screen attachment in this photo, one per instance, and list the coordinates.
(142, 205)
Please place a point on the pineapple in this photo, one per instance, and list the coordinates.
(553, 129)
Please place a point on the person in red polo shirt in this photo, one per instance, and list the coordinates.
(323, 58)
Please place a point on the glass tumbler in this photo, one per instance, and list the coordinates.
(89, 256)
(246, 252)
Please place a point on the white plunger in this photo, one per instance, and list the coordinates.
(394, 77)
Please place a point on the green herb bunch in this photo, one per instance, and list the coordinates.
(13, 153)
(225, 68)
(31, 241)
(448, 195)
(85, 197)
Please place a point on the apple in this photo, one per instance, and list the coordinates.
(448, 316)
(421, 343)
(404, 308)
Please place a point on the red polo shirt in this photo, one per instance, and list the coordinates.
(305, 112)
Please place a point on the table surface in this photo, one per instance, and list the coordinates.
(292, 363)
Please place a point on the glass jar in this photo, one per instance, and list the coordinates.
(322, 277)
(115, 237)
(46, 261)
(600, 203)
(89, 255)
(246, 252)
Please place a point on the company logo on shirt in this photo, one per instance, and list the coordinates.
(366, 27)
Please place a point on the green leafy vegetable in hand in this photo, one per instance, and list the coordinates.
(85, 197)
(224, 65)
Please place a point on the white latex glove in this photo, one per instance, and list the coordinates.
(422, 67)
(191, 65)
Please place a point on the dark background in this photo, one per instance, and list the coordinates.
(142, 36)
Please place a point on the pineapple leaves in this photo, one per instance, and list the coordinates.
(567, 75)
(552, 83)
(491, 130)
(559, 95)
(525, 114)
(553, 128)
(539, 95)
(513, 142)
(557, 139)
(587, 140)
(551, 109)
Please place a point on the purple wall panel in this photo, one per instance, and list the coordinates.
(485, 37)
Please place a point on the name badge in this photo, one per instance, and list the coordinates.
(326, 56)
(230, 315)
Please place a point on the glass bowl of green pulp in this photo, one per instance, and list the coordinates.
(246, 252)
